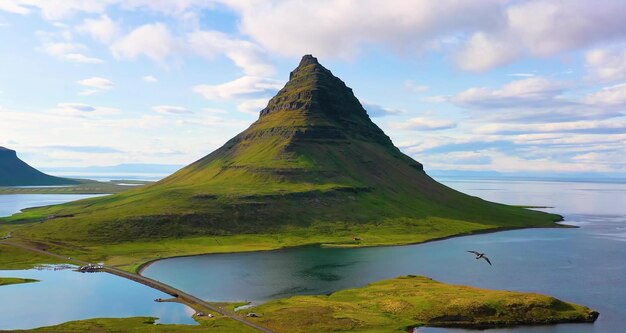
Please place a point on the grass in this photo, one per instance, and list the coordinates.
(387, 306)
(82, 187)
(398, 304)
(145, 324)
(13, 258)
(7, 281)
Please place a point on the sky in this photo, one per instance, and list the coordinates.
(507, 86)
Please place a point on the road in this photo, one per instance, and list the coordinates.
(187, 299)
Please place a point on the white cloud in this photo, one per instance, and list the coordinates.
(246, 55)
(154, 41)
(103, 30)
(601, 126)
(69, 52)
(252, 106)
(150, 79)
(539, 100)
(375, 110)
(62, 9)
(412, 86)
(483, 52)
(97, 82)
(242, 87)
(342, 27)
(609, 96)
(14, 7)
(607, 64)
(82, 110)
(520, 93)
(522, 74)
(425, 124)
(170, 109)
(543, 28)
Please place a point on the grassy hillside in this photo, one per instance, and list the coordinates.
(312, 169)
(15, 172)
(387, 306)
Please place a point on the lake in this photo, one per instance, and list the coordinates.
(13, 203)
(65, 295)
(585, 265)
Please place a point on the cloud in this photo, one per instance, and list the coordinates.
(85, 149)
(535, 91)
(522, 74)
(375, 110)
(246, 86)
(609, 96)
(96, 82)
(425, 124)
(252, 106)
(70, 52)
(246, 55)
(484, 52)
(598, 127)
(607, 64)
(537, 100)
(150, 79)
(103, 30)
(55, 10)
(82, 110)
(170, 109)
(411, 86)
(543, 28)
(331, 28)
(154, 41)
(14, 7)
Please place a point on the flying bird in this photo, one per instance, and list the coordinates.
(480, 256)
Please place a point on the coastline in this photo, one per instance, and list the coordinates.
(140, 268)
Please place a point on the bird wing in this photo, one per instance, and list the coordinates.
(487, 260)
(474, 252)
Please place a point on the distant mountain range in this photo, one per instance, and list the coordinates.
(15, 172)
(120, 168)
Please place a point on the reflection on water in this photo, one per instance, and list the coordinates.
(583, 265)
(64, 295)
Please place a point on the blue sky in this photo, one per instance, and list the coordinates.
(508, 86)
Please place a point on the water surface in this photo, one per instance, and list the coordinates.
(65, 295)
(584, 265)
(13, 203)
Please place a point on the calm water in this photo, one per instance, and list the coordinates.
(13, 203)
(66, 295)
(585, 265)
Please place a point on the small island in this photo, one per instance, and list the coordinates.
(4, 281)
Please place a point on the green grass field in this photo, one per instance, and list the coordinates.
(398, 304)
(83, 186)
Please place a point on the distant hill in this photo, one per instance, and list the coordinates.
(121, 168)
(15, 172)
(313, 166)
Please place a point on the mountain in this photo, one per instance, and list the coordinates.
(313, 165)
(15, 172)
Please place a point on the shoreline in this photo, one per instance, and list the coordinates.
(557, 225)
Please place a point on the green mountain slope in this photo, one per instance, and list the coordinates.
(15, 172)
(313, 161)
